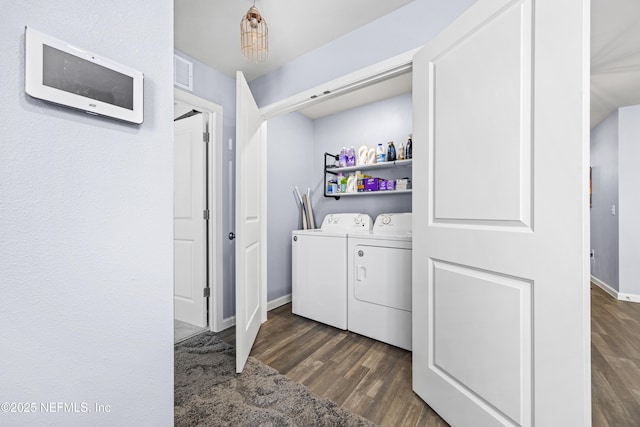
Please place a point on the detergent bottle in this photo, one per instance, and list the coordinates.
(380, 154)
(407, 150)
(391, 152)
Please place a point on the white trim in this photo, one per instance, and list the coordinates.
(358, 79)
(271, 305)
(264, 216)
(216, 264)
(628, 297)
(614, 293)
(226, 323)
(605, 287)
(278, 302)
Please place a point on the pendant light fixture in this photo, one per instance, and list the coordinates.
(254, 41)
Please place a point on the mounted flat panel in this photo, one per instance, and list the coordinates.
(68, 75)
(466, 81)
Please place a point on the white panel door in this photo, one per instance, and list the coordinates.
(249, 250)
(500, 268)
(189, 223)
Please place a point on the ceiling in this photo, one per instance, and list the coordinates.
(615, 56)
(209, 30)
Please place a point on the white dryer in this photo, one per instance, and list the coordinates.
(319, 268)
(380, 281)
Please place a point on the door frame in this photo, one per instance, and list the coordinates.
(213, 113)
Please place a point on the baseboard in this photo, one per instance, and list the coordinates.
(629, 297)
(271, 305)
(227, 323)
(607, 288)
(611, 291)
(278, 302)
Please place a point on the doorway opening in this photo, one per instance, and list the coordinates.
(198, 267)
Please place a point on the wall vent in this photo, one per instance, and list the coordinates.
(182, 73)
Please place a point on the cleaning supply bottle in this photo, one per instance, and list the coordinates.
(343, 184)
(342, 161)
(359, 182)
(362, 155)
(401, 152)
(351, 156)
(407, 151)
(352, 184)
(391, 152)
(380, 154)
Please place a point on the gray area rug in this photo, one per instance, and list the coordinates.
(208, 392)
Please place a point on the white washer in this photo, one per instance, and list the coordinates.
(319, 268)
(380, 281)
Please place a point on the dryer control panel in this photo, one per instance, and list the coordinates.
(395, 223)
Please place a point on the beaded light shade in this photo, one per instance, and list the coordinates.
(254, 40)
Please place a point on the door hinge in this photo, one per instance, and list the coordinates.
(206, 136)
(205, 214)
(207, 292)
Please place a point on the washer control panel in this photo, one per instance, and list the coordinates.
(347, 222)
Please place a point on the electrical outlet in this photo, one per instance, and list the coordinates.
(613, 210)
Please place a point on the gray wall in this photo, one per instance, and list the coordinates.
(604, 226)
(629, 195)
(290, 158)
(383, 121)
(212, 85)
(86, 226)
(397, 32)
(295, 156)
(615, 152)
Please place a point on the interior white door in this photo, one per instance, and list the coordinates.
(189, 222)
(249, 152)
(500, 188)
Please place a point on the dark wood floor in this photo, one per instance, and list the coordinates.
(615, 360)
(373, 379)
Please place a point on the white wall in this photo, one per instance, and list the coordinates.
(629, 195)
(604, 226)
(86, 226)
